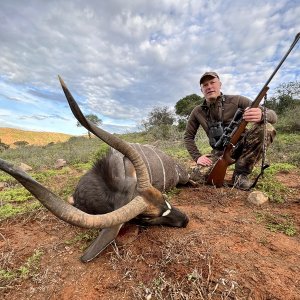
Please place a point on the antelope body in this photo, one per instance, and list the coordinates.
(125, 185)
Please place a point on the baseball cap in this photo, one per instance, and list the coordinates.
(211, 74)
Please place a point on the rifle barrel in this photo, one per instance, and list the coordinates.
(297, 37)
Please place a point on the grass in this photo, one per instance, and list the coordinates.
(166, 277)
(8, 210)
(16, 200)
(193, 285)
(44, 176)
(7, 178)
(277, 167)
(75, 151)
(278, 223)
(268, 183)
(285, 149)
(29, 269)
(84, 238)
(83, 166)
(15, 195)
(173, 192)
(275, 190)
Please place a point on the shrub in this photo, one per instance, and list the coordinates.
(3, 146)
(289, 121)
(21, 143)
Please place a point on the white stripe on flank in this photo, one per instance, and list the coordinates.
(162, 165)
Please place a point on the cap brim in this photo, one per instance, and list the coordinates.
(208, 75)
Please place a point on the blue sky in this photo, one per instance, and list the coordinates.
(121, 58)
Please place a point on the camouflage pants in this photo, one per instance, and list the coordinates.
(247, 152)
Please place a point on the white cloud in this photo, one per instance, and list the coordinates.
(122, 58)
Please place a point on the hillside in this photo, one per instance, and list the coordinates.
(12, 135)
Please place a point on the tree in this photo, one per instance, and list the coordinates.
(159, 116)
(94, 119)
(286, 97)
(184, 107)
(159, 122)
(286, 103)
(291, 89)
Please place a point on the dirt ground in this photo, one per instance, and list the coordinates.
(225, 252)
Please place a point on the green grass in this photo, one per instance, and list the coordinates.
(84, 238)
(4, 177)
(140, 138)
(45, 175)
(275, 190)
(9, 210)
(29, 269)
(280, 167)
(83, 166)
(17, 200)
(74, 151)
(285, 149)
(18, 194)
(278, 223)
(173, 192)
(268, 184)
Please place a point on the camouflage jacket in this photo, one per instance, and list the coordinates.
(222, 110)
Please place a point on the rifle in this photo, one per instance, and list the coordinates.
(235, 129)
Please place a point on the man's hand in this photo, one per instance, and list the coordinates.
(252, 115)
(204, 161)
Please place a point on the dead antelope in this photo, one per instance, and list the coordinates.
(125, 185)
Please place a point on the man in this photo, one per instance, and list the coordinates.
(213, 116)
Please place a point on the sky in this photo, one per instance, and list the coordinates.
(122, 58)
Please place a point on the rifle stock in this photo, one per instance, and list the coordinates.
(217, 174)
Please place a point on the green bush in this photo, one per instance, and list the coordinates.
(289, 121)
(285, 149)
(21, 143)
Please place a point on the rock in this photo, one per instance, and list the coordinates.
(257, 198)
(70, 200)
(60, 163)
(3, 185)
(25, 167)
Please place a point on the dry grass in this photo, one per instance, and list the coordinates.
(180, 268)
(11, 135)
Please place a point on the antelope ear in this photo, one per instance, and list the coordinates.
(105, 238)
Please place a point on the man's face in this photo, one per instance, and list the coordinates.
(211, 88)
